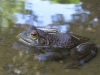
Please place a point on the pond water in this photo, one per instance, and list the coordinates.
(83, 19)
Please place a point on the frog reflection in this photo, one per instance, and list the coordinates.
(66, 43)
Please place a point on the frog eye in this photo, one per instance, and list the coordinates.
(35, 35)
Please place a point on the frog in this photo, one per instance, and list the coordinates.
(78, 47)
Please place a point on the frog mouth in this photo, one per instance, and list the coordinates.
(25, 37)
(27, 40)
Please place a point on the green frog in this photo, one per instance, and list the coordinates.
(74, 45)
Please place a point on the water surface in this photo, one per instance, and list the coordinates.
(16, 58)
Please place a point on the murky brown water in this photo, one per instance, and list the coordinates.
(15, 58)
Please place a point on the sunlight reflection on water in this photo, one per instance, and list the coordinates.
(81, 18)
(44, 10)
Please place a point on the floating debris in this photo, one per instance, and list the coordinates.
(17, 71)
